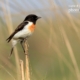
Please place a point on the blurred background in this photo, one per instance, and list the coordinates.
(54, 48)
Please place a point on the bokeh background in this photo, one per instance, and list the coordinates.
(54, 48)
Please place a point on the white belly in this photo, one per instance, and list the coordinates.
(23, 34)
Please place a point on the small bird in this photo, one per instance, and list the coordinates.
(23, 31)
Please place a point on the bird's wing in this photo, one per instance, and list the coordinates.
(20, 27)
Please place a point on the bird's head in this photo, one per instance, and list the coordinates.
(33, 18)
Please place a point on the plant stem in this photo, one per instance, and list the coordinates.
(22, 69)
(27, 60)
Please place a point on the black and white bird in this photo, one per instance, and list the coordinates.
(23, 31)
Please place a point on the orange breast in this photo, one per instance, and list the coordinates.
(32, 27)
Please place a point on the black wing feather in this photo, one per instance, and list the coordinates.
(20, 27)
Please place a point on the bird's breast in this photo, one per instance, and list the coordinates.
(31, 28)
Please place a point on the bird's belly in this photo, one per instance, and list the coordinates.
(22, 34)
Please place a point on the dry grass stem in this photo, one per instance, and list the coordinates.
(71, 53)
(7, 71)
(22, 70)
(27, 60)
(8, 20)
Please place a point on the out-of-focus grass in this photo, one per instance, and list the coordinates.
(51, 48)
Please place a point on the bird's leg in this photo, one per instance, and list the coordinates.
(11, 52)
(26, 46)
(27, 42)
(22, 45)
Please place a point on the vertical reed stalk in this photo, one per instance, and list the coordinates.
(27, 60)
(8, 20)
(22, 70)
(71, 54)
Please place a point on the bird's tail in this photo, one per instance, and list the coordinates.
(9, 38)
(14, 42)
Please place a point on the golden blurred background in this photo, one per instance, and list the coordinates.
(54, 48)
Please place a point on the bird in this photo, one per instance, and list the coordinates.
(23, 31)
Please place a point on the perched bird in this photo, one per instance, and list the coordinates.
(23, 31)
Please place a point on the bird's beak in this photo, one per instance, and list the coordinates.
(39, 17)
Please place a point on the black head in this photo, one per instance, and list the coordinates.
(33, 18)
